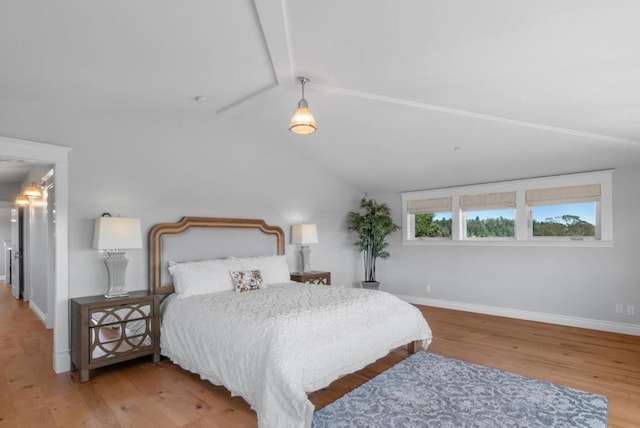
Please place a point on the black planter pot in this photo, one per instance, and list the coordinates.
(370, 285)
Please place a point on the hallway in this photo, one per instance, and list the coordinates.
(26, 378)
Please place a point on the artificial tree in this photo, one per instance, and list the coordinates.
(372, 224)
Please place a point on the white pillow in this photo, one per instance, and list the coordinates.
(202, 277)
(274, 269)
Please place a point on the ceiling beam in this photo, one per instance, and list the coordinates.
(475, 115)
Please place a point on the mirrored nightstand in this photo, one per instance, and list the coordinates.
(312, 277)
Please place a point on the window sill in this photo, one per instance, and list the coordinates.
(509, 243)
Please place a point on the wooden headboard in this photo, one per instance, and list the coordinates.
(159, 230)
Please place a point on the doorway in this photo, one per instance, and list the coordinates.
(59, 287)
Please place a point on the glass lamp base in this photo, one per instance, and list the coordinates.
(116, 267)
(114, 295)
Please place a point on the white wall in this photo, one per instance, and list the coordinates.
(5, 235)
(160, 168)
(575, 282)
(36, 251)
(39, 261)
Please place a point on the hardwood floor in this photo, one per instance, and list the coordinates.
(142, 394)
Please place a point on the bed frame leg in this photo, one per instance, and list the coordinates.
(415, 346)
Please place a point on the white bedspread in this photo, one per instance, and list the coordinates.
(274, 345)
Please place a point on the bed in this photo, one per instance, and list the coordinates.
(274, 344)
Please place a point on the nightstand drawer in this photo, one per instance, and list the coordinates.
(121, 313)
(120, 339)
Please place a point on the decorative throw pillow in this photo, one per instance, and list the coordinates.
(247, 280)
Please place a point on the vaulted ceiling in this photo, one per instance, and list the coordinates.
(407, 94)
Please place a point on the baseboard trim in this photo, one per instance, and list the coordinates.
(588, 323)
(61, 361)
(41, 315)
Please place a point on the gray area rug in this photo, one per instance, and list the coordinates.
(428, 390)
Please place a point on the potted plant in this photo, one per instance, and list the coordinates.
(372, 224)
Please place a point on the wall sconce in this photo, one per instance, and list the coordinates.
(303, 235)
(302, 121)
(22, 200)
(32, 191)
(115, 234)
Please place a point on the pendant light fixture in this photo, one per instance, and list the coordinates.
(22, 200)
(302, 121)
(32, 191)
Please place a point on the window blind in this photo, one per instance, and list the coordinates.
(564, 195)
(429, 206)
(488, 201)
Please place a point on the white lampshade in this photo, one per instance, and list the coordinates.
(303, 121)
(117, 233)
(304, 234)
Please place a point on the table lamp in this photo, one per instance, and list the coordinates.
(114, 234)
(303, 235)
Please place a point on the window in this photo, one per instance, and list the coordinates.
(488, 215)
(573, 209)
(431, 218)
(433, 225)
(564, 220)
(564, 211)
